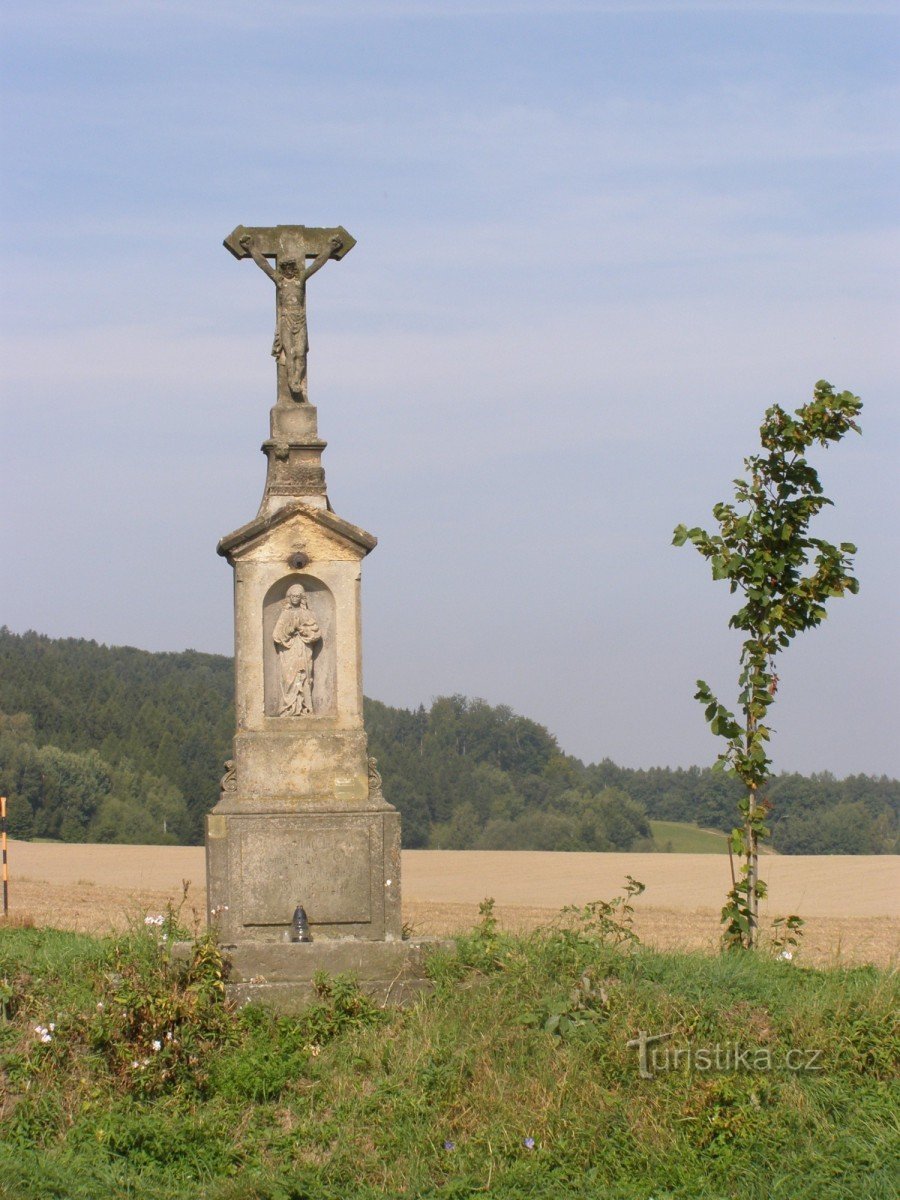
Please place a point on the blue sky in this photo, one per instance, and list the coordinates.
(595, 241)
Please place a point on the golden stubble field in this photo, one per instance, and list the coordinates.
(851, 904)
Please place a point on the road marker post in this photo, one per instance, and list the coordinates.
(5, 864)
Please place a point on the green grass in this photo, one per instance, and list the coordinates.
(677, 837)
(353, 1103)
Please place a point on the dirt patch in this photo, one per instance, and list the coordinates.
(850, 903)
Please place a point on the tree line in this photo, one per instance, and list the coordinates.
(101, 743)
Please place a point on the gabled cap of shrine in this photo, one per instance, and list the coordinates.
(259, 528)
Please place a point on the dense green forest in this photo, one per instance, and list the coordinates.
(115, 744)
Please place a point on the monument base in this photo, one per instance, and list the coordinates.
(342, 865)
(280, 976)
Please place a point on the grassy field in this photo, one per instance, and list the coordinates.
(515, 1079)
(676, 837)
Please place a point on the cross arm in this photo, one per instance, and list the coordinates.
(286, 241)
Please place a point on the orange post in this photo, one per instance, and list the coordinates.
(5, 865)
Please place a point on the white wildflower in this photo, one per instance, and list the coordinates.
(786, 956)
(156, 1044)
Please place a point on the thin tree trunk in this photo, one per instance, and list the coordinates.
(752, 872)
(751, 844)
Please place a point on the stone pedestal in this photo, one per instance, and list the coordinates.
(301, 818)
(281, 976)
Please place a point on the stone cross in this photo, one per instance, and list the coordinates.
(290, 246)
(302, 821)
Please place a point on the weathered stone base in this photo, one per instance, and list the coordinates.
(342, 865)
(280, 976)
(290, 999)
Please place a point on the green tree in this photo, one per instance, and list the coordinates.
(764, 550)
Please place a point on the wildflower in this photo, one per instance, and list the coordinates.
(52, 1027)
(136, 1065)
(314, 1050)
(45, 1038)
(786, 956)
(448, 1145)
(156, 1044)
(528, 1143)
(99, 1006)
(157, 920)
(44, 1033)
(170, 1036)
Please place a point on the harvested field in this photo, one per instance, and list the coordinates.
(851, 904)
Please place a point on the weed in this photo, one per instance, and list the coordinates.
(587, 1001)
(340, 1006)
(605, 921)
(786, 932)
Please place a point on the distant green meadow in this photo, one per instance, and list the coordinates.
(679, 837)
(676, 837)
(525, 1074)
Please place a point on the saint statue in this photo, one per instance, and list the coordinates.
(291, 342)
(296, 632)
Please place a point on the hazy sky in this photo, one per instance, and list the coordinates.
(595, 241)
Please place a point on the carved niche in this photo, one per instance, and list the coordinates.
(299, 648)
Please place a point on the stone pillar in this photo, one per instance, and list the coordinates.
(301, 818)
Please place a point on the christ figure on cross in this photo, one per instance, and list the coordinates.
(291, 343)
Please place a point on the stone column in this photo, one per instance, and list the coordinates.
(301, 818)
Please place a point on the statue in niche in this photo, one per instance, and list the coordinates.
(296, 632)
(291, 343)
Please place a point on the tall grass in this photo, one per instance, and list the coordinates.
(514, 1079)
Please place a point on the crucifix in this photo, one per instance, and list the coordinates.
(290, 246)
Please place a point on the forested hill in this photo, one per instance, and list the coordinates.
(110, 743)
(102, 743)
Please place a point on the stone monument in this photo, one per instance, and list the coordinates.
(301, 820)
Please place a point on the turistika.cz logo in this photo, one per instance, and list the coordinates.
(654, 1058)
